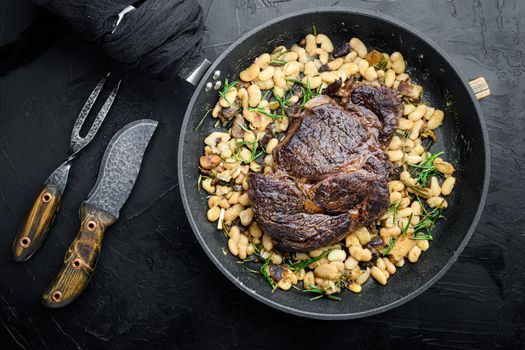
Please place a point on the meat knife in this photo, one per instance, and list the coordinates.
(117, 175)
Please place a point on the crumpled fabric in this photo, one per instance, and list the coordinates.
(160, 37)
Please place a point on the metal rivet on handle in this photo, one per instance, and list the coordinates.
(25, 241)
(57, 295)
(216, 74)
(208, 87)
(217, 85)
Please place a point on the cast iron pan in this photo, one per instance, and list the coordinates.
(463, 137)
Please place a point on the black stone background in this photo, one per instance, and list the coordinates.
(154, 286)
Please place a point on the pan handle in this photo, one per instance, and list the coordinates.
(480, 87)
(195, 76)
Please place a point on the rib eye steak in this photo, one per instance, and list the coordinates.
(330, 171)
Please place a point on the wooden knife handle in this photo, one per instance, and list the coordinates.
(33, 230)
(81, 258)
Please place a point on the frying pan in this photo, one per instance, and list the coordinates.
(463, 137)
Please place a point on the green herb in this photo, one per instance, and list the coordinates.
(390, 246)
(308, 93)
(302, 264)
(266, 274)
(427, 223)
(199, 180)
(265, 112)
(405, 229)
(382, 65)
(251, 270)
(422, 237)
(321, 293)
(394, 209)
(426, 169)
(243, 127)
(226, 88)
(267, 94)
(277, 62)
(216, 123)
(202, 120)
(254, 155)
(314, 30)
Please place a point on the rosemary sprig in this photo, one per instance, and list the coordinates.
(254, 156)
(390, 246)
(265, 112)
(277, 62)
(243, 127)
(302, 264)
(314, 30)
(321, 293)
(226, 87)
(394, 209)
(426, 169)
(266, 274)
(308, 93)
(202, 120)
(427, 223)
(405, 229)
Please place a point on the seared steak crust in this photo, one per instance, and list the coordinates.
(330, 172)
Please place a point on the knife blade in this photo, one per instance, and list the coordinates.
(118, 173)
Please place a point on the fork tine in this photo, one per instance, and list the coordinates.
(79, 143)
(75, 133)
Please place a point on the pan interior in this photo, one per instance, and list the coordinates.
(461, 137)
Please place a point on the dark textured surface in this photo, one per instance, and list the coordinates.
(154, 286)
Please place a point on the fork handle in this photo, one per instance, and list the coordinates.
(81, 258)
(33, 230)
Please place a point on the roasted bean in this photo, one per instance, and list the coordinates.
(337, 255)
(390, 77)
(359, 47)
(326, 271)
(213, 214)
(267, 242)
(448, 185)
(326, 43)
(370, 74)
(413, 254)
(335, 64)
(310, 69)
(363, 277)
(246, 216)
(363, 235)
(436, 119)
(251, 73)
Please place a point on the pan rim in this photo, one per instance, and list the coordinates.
(444, 268)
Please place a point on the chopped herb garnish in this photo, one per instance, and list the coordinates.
(266, 274)
(314, 30)
(321, 293)
(199, 180)
(216, 123)
(266, 113)
(426, 169)
(390, 246)
(226, 87)
(302, 264)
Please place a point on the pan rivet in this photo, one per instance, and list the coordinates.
(24, 242)
(46, 197)
(76, 263)
(217, 85)
(57, 296)
(208, 87)
(91, 225)
(216, 74)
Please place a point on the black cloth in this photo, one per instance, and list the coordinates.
(160, 37)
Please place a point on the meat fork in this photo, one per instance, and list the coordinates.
(33, 230)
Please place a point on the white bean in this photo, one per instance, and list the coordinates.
(359, 47)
